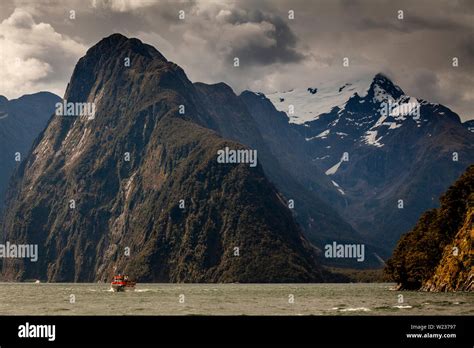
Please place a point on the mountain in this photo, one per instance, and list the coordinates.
(231, 117)
(469, 125)
(136, 186)
(436, 255)
(388, 154)
(455, 271)
(21, 121)
(315, 196)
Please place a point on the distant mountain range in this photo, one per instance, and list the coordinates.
(136, 185)
(21, 120)
(388, 155)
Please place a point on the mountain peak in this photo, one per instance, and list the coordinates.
(119, 42)
(115, 37)
(381, 84)
(381, 76)
(114, 58)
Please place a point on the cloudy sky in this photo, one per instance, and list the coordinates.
(41, 40)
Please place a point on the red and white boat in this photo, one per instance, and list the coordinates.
(122, 283)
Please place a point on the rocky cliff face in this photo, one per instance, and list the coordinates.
(455, 271)
(137, 187)
(437, 254)
(21, 121)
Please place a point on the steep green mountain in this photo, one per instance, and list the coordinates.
(137, 187)
(21, 121)
(437, 254)
(455, 271)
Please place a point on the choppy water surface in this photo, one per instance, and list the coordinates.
(228, 299)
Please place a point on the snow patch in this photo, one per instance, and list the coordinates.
(338, 187)
(381, 95)
(394, 125)
(330, 94)
(370, 138)
(334, 168)
(324, 134)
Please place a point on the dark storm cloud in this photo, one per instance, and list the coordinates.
(432, 84)
(284, 48)
(429, 81)
(411, 24)
(275, 52)
(466, 46)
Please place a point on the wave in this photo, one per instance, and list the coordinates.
(354, 309)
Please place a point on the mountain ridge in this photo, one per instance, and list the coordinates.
(390, 158)
(376, 159)
(21, 120)
(179, 212)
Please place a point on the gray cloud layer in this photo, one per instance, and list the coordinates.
(275, 52)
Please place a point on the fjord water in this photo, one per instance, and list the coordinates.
(228, 299)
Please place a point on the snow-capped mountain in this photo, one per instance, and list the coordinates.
(368, 117)
(389, 155)
(306, 104)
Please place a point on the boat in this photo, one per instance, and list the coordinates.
(122, 283)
